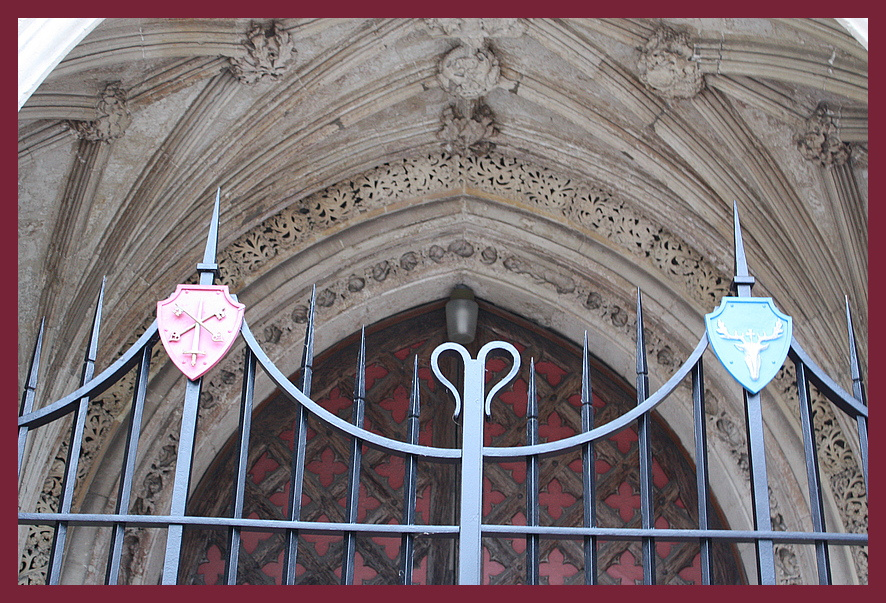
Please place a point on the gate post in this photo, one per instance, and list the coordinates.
(470, 557)
(469, 540)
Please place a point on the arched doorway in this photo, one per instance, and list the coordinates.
(391, 345)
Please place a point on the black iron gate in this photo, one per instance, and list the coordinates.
(472, 403)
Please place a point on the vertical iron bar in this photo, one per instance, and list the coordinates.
(470, 542)
(701, 467)
(350, 539)
(588, 468)
(407, 541)
(643, 429)
(70, 476)
(299, 443)
(859, 393)
(182, 479)
(759, 486)
(816, 507)
(129, 455)
(743, 283)
(532, 512)
(245, 427)
(207, 269)
(27, 404)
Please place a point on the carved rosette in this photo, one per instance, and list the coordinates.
(268, 53)
(112, 117)
(469, 72)
(460, 134)
(820, 141)
(668, 66)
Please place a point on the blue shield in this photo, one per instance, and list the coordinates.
(751, 338)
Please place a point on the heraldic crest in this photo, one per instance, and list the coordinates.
(198, 325)
(751, 338)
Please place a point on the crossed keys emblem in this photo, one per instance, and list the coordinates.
(198, 325)
(195, 345)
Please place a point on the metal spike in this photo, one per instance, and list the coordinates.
(414, 402)
(641, 337)
(31, 384)
(308, 356)
(742, 280)
(532, 395)
(27, 404)
(92, 350)
(585, 373)
(360, 380)
(853, 351)
(208, 268)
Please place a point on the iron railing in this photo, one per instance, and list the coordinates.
(471, 402)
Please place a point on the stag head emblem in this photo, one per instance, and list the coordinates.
(751, 338)
(751, 344)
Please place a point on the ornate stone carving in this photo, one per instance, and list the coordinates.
(668, 66)
(268, 53)
(469, 72)
(820, 141)
(467, 29)
(112, 117)
(562, 283)
(585, 205)
(462, 134)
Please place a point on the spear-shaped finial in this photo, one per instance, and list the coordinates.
(642, 368)
(414, 399)
(308, 356)
(854, 367)
(360, 380)
(27, 404)
(208, 268)
(92, 349)
(742, 280)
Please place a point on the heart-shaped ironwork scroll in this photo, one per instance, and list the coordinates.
(474, 377)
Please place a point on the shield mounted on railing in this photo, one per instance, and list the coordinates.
(198, 325)
(751, 338)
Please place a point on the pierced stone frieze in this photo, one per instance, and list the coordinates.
(667, 65)
(269, 50)
(587, 206)
(820, 141)
(461, 134)
(112, 117)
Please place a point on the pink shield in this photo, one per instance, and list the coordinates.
(198, 325)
